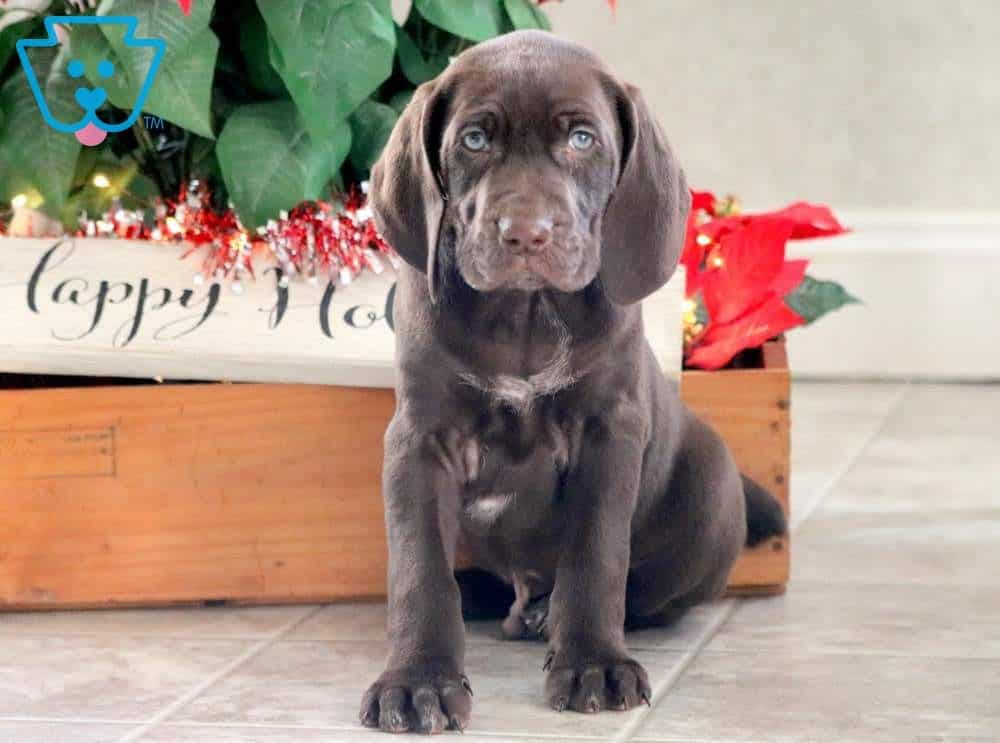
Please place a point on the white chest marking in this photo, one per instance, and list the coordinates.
(486, 509)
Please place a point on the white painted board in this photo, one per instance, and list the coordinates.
(121, 308)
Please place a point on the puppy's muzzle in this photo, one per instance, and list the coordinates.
(525, 234)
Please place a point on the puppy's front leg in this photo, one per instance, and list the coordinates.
(423, 688)
(589, 666)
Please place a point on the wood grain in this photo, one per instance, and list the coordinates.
(250, 493)
(751, 409)
(238, 492)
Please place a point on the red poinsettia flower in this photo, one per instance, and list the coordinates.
(742, 268)
(737, 272)
(722, 342)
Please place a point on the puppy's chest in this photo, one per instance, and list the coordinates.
(515, 466)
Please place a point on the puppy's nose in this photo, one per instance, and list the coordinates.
(526, 235)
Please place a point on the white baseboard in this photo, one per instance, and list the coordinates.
(930, 284)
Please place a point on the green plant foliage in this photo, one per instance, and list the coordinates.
(331, 54)
(38, 157)
(525, 14)
(417, 67)
(9, 36)
(270, 162)
(371, 126)
(476, 20)
(254, 44)
(302, 96)
(182, 92)
(401, 100)
(812, 298)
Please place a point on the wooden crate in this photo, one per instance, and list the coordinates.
(250, 493)
(751, 408)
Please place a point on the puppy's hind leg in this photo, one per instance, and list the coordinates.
(688, 540)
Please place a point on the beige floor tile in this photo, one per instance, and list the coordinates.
(830, 424)
(201, 622)
(320, 684)
(103, 678)
(201, 734)
(365, 622)
(881, 619)
(939, 451)
(351, 621)
(933, 549)
(61, 732)
(784, 697)
(237, 734)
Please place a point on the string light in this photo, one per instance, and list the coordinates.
(101, 181)
(717, 261)
(18, 201)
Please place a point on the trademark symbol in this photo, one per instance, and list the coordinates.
(152, 122)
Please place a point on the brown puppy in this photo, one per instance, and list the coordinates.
(536, 202)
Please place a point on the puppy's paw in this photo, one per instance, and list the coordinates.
(418, 699)
(593, 684)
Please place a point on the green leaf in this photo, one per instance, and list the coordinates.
(401, 100)
(525, 14)
(269, 161)
(331, 54)
(37, 156)
(477, 20)
(416, 67)
(90, 198)
(182, 90)
(371, 126)
(9, 36)
(253, 44)
(812, 299)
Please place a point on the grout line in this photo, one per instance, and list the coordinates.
(663, 687)
(214, 678)
(824, 492)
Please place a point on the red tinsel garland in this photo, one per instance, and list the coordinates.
(316, 239)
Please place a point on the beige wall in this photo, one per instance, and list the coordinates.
(877, 104)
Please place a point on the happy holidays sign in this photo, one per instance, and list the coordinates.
(121, 308)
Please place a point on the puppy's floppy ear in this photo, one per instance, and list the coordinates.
(644, 223)
(407, 195)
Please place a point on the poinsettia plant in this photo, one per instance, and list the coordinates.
(740, 289)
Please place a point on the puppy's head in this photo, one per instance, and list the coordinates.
(527, 165)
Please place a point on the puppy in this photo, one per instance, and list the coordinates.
(535, 202)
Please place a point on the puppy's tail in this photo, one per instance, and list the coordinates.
(765, 517)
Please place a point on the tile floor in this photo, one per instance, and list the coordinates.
(890, 630)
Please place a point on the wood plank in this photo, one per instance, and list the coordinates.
(248, 492)
(258, 493)
(751, 409)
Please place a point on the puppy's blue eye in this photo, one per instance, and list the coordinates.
(581, 139)
(475, 139)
